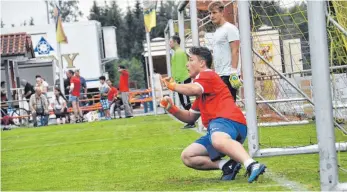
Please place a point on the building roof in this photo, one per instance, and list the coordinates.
(16, 44)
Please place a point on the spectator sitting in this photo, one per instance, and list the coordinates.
(39, 106)
(115, 103)
(59, 106)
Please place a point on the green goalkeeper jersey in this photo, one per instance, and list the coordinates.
(178, 65)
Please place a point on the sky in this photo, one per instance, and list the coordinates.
(16, 11)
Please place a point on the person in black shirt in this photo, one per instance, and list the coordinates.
(28, 88)
(3, 91)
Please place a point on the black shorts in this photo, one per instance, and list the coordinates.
(61, 115)
(231, 89)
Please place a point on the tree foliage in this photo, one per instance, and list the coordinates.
(130, 34)
(70, 11)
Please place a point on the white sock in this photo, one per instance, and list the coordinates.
(222, 163)
(248, 162)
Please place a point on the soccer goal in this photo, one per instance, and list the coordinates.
(294, 68)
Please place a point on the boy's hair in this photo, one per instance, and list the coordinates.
(71, 72)
(176, 38)
(102, 78)
(203, 53)
(216, 5)
(121, 66)
(37, 76)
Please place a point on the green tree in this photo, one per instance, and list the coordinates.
(114, 17)
(139, 30)
(96, 13)
(24, 23)
(70, 11)
(162, 19)
(136, 71)
(130, 36)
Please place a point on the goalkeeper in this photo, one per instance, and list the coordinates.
(226, 125)
(226, 46)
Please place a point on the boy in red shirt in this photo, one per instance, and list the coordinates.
(124, 89)
(225, 122)
(75, 87)
(113, 100)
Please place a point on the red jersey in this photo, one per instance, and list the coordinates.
(112, 93)
(124, 81)
(216, 100)
(77, 86)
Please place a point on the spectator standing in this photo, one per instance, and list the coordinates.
(28, 88)
(75, 87)
(124, 89)
(226, 44)
(3, 91)
(104, 89)
(180, 73)
(42, 84)
(83, 88)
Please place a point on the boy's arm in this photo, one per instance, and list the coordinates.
(183, 115)
(191, 89)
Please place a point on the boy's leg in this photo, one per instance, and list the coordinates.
(202, 156)
(125, 99)
(119, 112)
(73, 100)
(196, 156)
(224, 136)
(112, 104)
(80, 112)
(58, 121)
(34, 115)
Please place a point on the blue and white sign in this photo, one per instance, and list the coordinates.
(43, 47)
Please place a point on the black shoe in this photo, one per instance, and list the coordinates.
(230, 170)
(6, 129)
(129, 116)
(189, 126)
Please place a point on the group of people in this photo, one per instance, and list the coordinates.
(75, 92)
(109, 97)
(215, 91)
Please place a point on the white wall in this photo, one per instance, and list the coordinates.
(262, 39)
(82, 37)
(110, 42)
(292, 56)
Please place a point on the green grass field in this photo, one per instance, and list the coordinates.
(142, 153)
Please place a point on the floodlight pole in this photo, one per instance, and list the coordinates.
(194, 22)
(247, 67)
(181, 29)
(322, 99)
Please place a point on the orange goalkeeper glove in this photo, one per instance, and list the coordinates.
(169, 83)
(167, 103)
